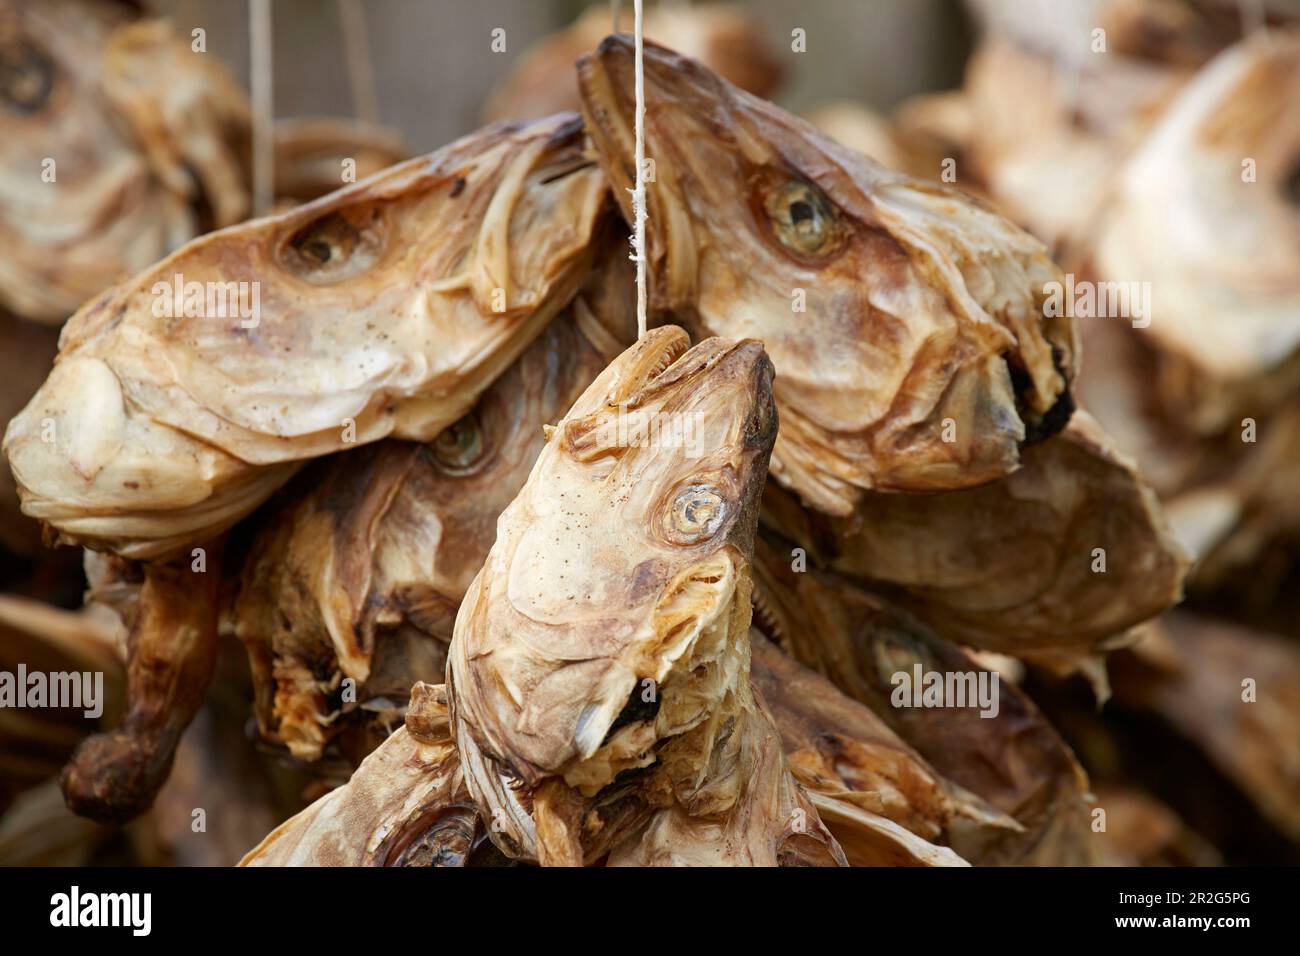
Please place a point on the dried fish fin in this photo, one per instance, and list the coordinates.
(172, 647)
(871, 840)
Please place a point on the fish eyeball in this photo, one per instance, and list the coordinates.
(698, 511)
(336, 246)
(26, 77)
(459, 445)
(803, 218)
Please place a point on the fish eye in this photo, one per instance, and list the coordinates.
(459, 445)
(338, 245)
(804, 220)
(697, 512)
(26, 77)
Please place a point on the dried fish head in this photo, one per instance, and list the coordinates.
(892, 307)
(114, 140)
(183, 398)
(1059, 557)
(357, 570)
(600, 659)
(1205, 212)
(1012, 758)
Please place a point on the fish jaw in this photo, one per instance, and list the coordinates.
(924, 308)
(606, 635)
(193, 420)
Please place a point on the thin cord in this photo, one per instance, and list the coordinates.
(361, 73)
(1252, 17)
(638, 193)
(259, 25)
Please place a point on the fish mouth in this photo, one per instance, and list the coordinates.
(606, 109)
(664, 363)
(606, 83)
(651, 356)
(1041, 426)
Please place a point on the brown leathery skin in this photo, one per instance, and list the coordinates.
(921, 306)
(171, 651)
(1015, 760)
(171, 429)
(599, 672)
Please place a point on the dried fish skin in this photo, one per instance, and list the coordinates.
(599, 670)
(919, 306)
(1232, 249)
(1064, 554)
(358, 568)
(1015, 761)
(135, 156)
(170, 429)
(405, 805)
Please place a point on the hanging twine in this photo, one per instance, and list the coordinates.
(259, 26)
(638, 192)
(361, 72)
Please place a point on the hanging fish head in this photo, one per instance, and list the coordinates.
(905, 319)
(602, 649)
(117, 144)
(184, 396)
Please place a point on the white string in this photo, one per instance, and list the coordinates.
(259, 14)
(638, 192)
(361, 72)
(1252, 17)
